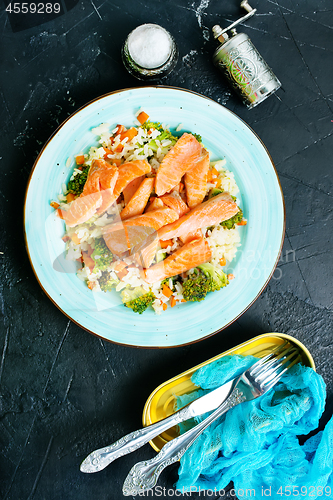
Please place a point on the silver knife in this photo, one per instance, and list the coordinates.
(99, 459)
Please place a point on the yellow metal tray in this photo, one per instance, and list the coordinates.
(161, 402)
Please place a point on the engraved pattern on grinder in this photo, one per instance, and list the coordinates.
(246, 71)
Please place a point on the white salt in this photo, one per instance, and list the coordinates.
(149, 45)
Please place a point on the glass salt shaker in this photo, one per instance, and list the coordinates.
(242, 65)
(149, 52)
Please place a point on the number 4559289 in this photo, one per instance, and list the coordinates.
(33, 8)
(308, 491)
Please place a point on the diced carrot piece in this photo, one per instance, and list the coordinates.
(242, 222)
(107, 152)
(130, 133)
(119, 148)
(91, 285)
(142, 117)
(166, 291)
(89, 262)
(223, 261)
(217, 182)
(117, 161)
(165, 243)
(120, 266)
(54, 204)
(230, 277)
(173, 301)
(65, 238)
(120, 129)
(70, 197)
(183, 300)
(79, 159)
(165, 306)
(75, 239)
(214, 172)
(80, 168)
(59, 213)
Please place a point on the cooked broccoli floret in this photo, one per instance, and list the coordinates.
(101, 255)
(147, 125)
(230, 223)
(214, 192)
(196, 286)
(137, 299)
(106, 282)
(163, 136)
(215, 275)
(198, 137)
(77, 184)
(206, 278)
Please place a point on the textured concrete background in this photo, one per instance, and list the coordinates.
(64, 392)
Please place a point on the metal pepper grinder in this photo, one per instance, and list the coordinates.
(242, 65)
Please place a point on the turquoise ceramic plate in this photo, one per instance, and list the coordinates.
(226, 136)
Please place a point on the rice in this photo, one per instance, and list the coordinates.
(223, 242)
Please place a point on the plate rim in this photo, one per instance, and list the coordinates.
(165, 87)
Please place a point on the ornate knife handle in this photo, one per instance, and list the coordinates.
(144, 475)
(99, 459)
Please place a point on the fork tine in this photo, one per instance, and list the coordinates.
(274, 375)
(257, 366)
(277, 377)
(274, 362)
(279, 362)
(270, 374)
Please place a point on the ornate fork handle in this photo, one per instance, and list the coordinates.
(101, 458)
(144, 475)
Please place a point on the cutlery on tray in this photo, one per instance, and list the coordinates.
(101, 458)
(253, 383)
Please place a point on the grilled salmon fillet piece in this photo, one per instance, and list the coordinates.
(208, 213)
(190, 255)
(181, 158)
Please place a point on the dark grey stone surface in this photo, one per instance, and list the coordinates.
(64, 392)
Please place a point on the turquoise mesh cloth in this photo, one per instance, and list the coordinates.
(255, 444)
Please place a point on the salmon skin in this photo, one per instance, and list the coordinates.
(208, 213)
(129, 171)
(190, 255)
(181, 158)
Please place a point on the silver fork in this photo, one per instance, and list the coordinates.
(254, 382)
